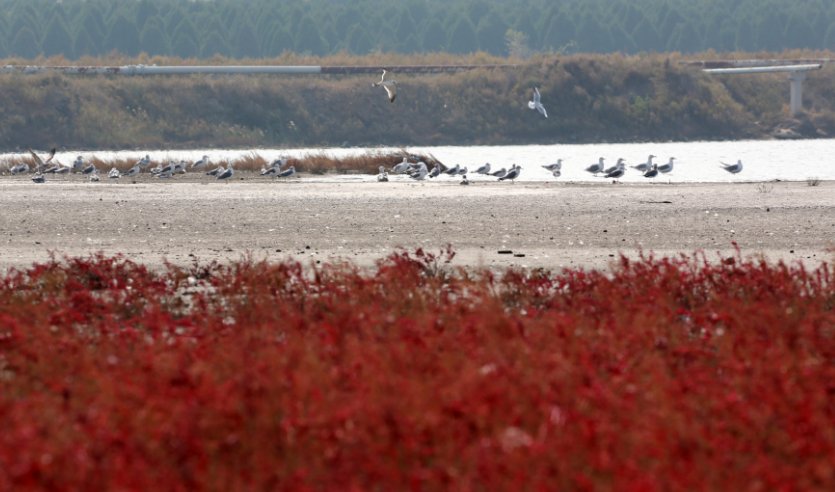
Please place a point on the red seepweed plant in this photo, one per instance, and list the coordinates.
(672, 373)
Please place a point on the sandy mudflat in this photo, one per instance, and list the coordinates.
(552, 224)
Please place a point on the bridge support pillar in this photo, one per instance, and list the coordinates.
(796, 92)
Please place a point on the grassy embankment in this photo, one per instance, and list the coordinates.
(589, 97)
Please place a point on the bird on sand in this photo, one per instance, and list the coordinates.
(665, 168)
(732, 168)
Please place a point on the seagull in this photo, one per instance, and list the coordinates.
(617, 172)
(401, 166)
(78, 165)
(652, 172)
(144, 162)
(216, 171)
(644, 166)
(453, 170)
(227, 173)
(91, 169)
(485, 169)
(41, 164)
(464, 181)
(436, 170)
(596, 168)
(500, 173)
(134, 170)
(556, 173)
(270, 171)
(618, 165)
(290, 171)
(665, 168)
(555, 166)
(535, 104)
(38, 178)
(19, 168)
(512, 174)
(200, 163)
(732, 168)
(179, 167)
(462, 171)
(114, 174)
(420, 173)
(389, 85)
(383, 177)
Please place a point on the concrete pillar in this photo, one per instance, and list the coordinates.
(796, 92)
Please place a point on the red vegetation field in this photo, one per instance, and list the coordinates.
(660, 374)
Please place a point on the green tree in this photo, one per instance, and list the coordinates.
(153, 39)
(280, 41)
(462, 37)
(308, 39)
(123, 37)
(358, 41)
(243, 42)
(560, 32)
(490, 33)
(25, 44)
(434, 37)
(184, 42)
(57, 40)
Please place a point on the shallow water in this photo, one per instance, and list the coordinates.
(787, 160)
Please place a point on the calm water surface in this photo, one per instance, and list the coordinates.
(790, 160)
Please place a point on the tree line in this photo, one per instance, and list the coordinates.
(268, 28)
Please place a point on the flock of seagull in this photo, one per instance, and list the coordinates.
(163, 171)
(649, 169)
(278, 169)
(415, 170)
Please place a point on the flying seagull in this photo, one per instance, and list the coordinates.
(41, 164)
(536, 104)
(389, 85)
(732, 168)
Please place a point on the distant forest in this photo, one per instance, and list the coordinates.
(267, 28)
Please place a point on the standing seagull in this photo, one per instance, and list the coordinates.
(200, 163)
(596, 168)
(536, 104)
(665, 168)
(644, 166)
(383, 177)
(485, 169)
(652, 172)
(557, 166)
(389, 85)
(226, 174)
(500, 173)
(512, 174)
(290, 171)
(732, 168)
